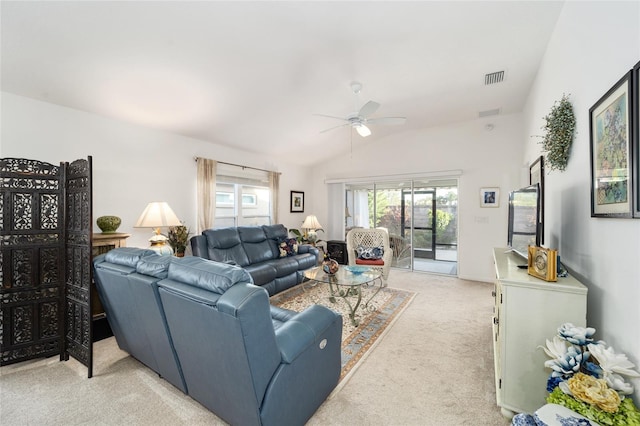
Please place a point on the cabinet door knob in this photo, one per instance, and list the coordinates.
(495, 320)
(493, 293)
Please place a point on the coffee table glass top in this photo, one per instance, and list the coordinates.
(342, 277)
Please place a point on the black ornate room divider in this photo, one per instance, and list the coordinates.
(45, 258)
(79, 324)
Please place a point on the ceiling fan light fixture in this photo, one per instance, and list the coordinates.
(358, 119)
(362, 130)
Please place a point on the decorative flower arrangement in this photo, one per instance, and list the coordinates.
(178, 238)
(589, 378)
(559, 129)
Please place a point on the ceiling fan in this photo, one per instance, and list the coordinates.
(360, 119)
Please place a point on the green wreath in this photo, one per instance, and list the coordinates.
(559, 131)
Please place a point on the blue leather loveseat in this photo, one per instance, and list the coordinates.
(257, 249)
(204, 327)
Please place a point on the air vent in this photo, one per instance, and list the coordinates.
(493, 78)
(489, 112)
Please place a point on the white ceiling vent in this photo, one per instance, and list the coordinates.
(489, 113)
(493, 78)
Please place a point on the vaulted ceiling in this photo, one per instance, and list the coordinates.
(252, 75)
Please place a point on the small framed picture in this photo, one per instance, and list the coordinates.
(489, 197)
(536, 176)
(297, 202)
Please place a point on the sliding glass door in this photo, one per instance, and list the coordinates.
(421, 217)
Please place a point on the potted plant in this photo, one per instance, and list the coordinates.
(178, 238)
(303, 237)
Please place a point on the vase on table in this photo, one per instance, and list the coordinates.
(330, 266)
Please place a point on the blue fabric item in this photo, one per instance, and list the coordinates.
(222, 245)
(130, 301)
(253, 247)
(284, 266)
(551, 415)
(370, 253)
(523, 419)
(127, 256)
(302, 330)
(156, 266)
(243, 378)
(211, 333)
(213, 276)
(262, 273)
(256, 245)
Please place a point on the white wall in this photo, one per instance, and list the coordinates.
(132, 165)
(486, 158)
(587, 55)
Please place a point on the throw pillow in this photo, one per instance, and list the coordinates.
(370, 253)
(289, 247)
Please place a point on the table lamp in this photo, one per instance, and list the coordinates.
(311, 225)
(157, 215)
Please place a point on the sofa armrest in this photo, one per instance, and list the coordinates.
(199, 246)
(303, 330)
(308, 248)
(309, 370)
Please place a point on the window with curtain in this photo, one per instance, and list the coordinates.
(243, 197)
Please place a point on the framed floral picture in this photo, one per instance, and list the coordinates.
(489, 197)
(635, 138)
(297, 202)
(610, 140)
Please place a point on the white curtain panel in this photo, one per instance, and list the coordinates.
(274, 187)
(334, 229)
(206, 193)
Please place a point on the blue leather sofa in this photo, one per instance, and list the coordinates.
(256, 249)
(204, 327)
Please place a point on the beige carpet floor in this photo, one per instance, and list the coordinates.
(379, 309)
(434, 366)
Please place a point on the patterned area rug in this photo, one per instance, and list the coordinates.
(374, 319)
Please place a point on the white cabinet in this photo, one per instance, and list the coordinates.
(527, 312)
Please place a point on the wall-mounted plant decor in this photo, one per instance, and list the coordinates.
(559, 129)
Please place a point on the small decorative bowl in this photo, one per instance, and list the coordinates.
(357, 270)
(330, 266)
(108, 224)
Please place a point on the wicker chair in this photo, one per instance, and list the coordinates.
(377, 237)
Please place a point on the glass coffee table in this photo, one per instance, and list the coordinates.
(348, 286)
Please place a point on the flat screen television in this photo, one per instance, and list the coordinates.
(525, 224)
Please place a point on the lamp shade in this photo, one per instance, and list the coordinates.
(157, 214)
(311, 222)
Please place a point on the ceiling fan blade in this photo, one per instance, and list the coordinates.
(391, 121)
(335, 127)
(331, 116)
(362, 130)
(368, 109)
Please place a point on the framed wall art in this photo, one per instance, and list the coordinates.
(635, 138)
(489, 197)
(297, 202)
(610, 139)
(536, 176)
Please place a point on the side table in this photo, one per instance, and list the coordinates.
(102, 243)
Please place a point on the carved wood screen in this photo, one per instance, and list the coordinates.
(79, 324)
(34, 299)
